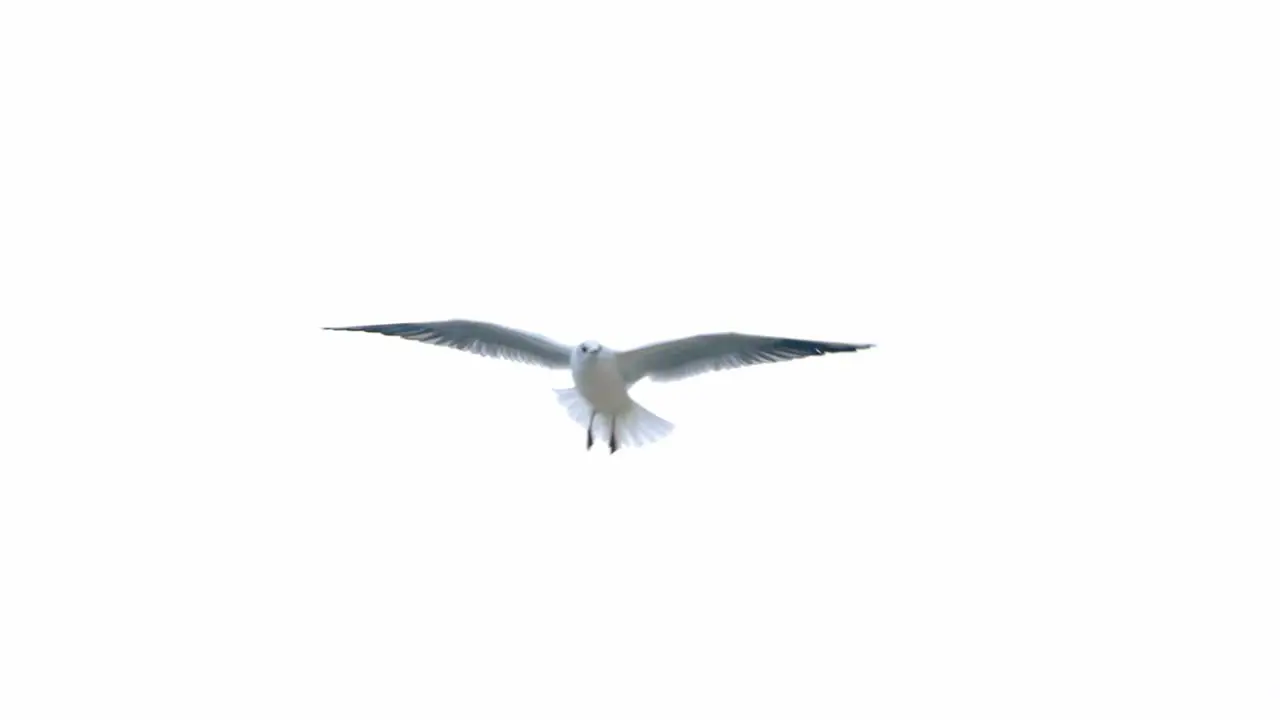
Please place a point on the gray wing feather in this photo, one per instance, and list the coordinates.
(481, 338)
(679, 359)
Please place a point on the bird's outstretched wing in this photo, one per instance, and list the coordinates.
(679, 359)
(481, 338)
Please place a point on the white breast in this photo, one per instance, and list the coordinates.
(598, 379)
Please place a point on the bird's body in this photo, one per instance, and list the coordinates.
(600, 391)
(602, 377)
(597, 378)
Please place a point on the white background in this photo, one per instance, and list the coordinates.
(1048, 492)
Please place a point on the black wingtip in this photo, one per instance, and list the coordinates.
(823, 348)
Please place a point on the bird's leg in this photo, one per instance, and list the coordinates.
(590, 424)
(613, 434)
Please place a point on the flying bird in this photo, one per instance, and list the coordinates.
(602, 376)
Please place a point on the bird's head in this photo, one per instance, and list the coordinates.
(590, 347)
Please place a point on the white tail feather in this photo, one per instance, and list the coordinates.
(634, 427)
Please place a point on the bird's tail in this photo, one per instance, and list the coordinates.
(634, 427)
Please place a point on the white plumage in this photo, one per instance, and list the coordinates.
(599, 399)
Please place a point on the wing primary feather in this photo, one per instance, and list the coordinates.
(480, 338)
(677, 359)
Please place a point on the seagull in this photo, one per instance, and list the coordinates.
(602, 376)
